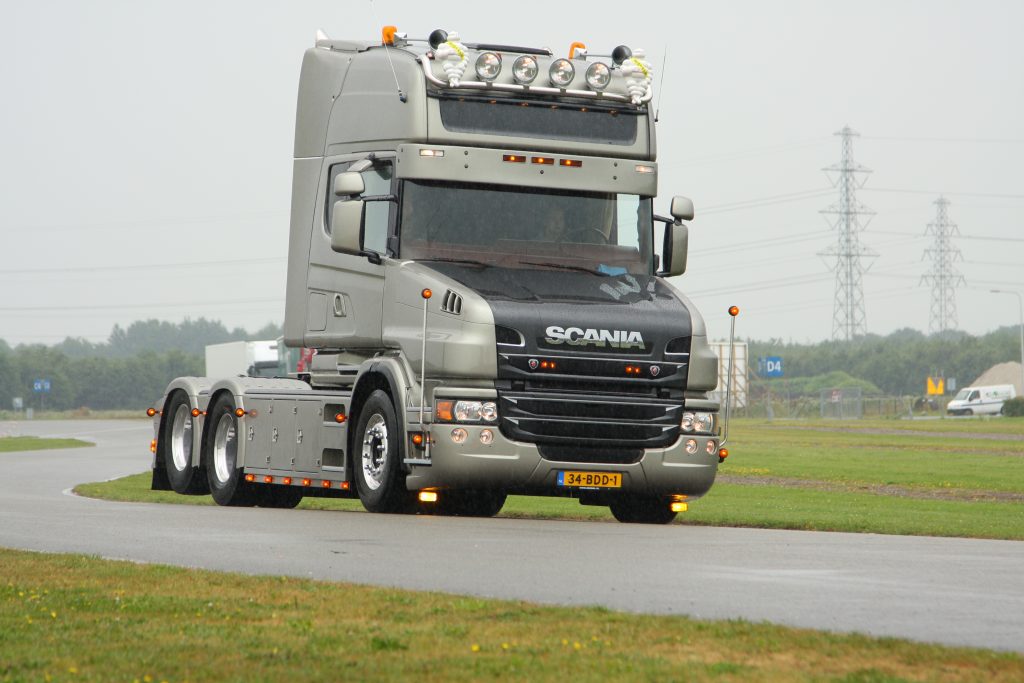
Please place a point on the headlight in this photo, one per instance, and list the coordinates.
(446, 410)
(598, 76)
(488, 66)
(561, 72)
(699, 423)
(524, 69)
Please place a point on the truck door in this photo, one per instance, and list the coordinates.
(344, 292)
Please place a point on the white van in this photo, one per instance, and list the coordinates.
(980, 400)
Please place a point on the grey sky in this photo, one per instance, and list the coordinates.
(144, 141)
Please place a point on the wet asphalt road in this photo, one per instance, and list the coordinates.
(953, 591)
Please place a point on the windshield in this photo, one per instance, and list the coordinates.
(962, 395)
(524, 227)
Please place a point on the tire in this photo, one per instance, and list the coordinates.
(642, 510)
(285, 497)
(471, 503)
(967, 412)
(220, 456)
(377, 458)
(177, 436)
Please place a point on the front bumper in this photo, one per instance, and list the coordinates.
(516, 466)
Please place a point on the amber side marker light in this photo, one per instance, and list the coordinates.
(239, 412)
(268, 479)
(151, 412)
(250, 477)
(514, 158)
(196, 412)
(546, 161)
(417, 439)
(339, 417)
(428, 496)
(326, 484)
(570, 163)
(444, 410)
(287, 481)
(307, 482)
(723, 453)
(426, 294)
(734, 311)
(152, 446)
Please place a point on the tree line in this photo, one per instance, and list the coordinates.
(128, 371)
(133, 367)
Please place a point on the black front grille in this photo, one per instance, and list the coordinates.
(589, 421)
(604, 456)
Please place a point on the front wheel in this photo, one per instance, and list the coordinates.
(220, 454)
(642, 510)
(376, 457)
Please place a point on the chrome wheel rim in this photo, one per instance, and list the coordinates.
(181, 438)
(225, 448)
(375, 451)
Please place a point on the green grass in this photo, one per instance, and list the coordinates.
(12, 444)
(67, 617)
(786, 476)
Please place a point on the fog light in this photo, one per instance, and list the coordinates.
(691, 446)
(524, 69)
(428, 496)
(561, 72)
(486, 437)
(459, 435)
(711, 448)
(678, 507)
(488, 66)
(598, 76)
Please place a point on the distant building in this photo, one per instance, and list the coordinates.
(1003, 373)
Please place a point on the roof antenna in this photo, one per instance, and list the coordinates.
(661, 82)
(373, 11)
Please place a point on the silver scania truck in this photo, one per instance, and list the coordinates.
(475, 257)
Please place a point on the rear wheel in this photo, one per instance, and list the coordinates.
(220, 454)
(642, 510)
(471, 503)
(376, 457)
(177, 447)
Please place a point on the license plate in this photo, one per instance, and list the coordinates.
(591, 480)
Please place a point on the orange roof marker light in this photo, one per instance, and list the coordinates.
(426, 294)
(734, 311)
(387, 35)
(576, 46)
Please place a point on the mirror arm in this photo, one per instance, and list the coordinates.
(380, 198)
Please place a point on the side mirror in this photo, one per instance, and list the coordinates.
(346, 223)
(682, 208)
(677, 239)
(350, 184)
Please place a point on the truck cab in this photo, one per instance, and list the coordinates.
(475, 256)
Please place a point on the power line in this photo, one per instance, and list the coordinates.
(958, 194)
(968, 140)
(152, 222)
(151, 266)
(764, 201)
(148, 305)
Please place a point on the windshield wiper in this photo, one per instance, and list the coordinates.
(566, 266)
(467, 261)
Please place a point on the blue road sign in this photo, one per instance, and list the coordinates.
(771, 366)
(41, 386)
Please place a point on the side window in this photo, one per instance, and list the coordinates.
(376, 215)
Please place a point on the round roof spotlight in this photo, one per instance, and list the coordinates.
(621, 54)
(488, 66)
(598, 76)
(525, 69)
(561, 72)
(437, 38)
